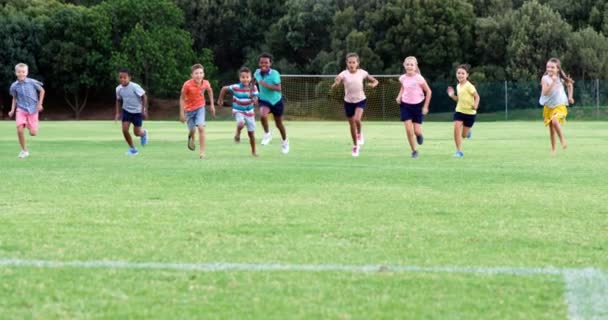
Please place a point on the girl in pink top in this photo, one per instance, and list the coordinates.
(354, 97)
(413, 98)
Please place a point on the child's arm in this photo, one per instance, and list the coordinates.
(451, 93)
(144, 105)
(182, 103)
(220, 99)
(40, 99)
(13, 105)
(546, 87)
(570, 88)
(428, 93)
(117, 114)
(337, 81)
(212, 106)
(398, 99)
(476, 98)
(373, 82)
(276, 87)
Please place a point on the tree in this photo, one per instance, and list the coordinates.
(588, 55)
(538, 33)
(76, 54)
(161, 57)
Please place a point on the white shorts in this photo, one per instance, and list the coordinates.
(249, 121)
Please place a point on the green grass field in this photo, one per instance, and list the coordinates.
(508, 204)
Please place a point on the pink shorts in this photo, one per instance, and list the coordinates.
(29, 120)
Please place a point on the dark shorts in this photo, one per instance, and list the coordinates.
(276, 109)
(467, 119)
(349, 108)
(135, 118)
(412, 112)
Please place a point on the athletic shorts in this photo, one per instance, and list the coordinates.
(467, 119)
(135, 118)
(29, 120)
(412, 112)
(242, 118)
(276, 109)
(349, 108)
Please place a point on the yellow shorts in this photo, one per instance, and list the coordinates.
(560, 112)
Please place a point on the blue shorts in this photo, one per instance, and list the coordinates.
(349, 108)
(276, 109)
(196, 118)
(467, 119)
(412, 112)
(135, 118)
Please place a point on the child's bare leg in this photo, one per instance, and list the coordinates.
(458, 135)
(417, 129)
(21, 136)
(278, 121)
(465, 131)
(358, 115)
(252, 142)
(552, 137)
(138, 131)
(558, 130)
(239, 128)
(201, 140)
(264, 118)
(126, 134)
(353, 130)
(409, 132)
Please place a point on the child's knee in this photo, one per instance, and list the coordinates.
(33, 133)
(240, 125)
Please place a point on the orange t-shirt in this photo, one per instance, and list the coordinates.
(194, 96)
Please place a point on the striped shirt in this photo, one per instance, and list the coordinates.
(242, 98)
(26, 94)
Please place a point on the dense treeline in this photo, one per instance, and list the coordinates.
(75, 46)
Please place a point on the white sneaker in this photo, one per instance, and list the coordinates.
(285, 146)
(24, 154)
(360, 139)
(355, 151)
(266, 139)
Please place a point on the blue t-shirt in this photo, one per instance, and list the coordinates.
(273, 77)
(131, 97)
(26, 94)
(242, 98)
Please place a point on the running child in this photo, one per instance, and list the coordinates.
(354, 97)
(271, 99)
(28, 95)
(414, 98)
(192, 106)
(554, 100)
(131, 97)
(244, 97)
(466, 108)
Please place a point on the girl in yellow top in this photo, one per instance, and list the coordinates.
(466, 108)
(553, 98)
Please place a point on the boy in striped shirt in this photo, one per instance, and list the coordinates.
(244, 98)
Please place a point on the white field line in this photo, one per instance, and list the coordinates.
(586, 289)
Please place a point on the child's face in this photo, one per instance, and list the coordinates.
(124, 78)
(245, 78)
(198, 75)
(21, 73)
(551, 68)
(352, 64)
(461, 75)
(410, 66)
(264, 64)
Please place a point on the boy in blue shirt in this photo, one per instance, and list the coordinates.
(271, 99)
(28, 95)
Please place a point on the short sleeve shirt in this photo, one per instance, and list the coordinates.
(273, 77)
(353, 85)
(130, 95)
(557, 96)
(194, 94)
(242, 98)
(466, 98)
(412, 88)
(26, 94)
